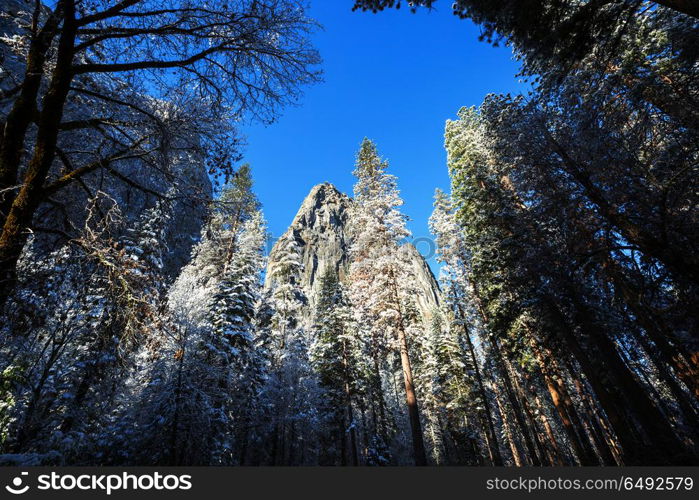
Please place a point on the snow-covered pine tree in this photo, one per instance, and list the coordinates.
(201, 396)
(88, 306)
(146, 243)
(193, 292)
(233, 305)
(381, 280)
(287, 296)
(428, 388)
(469, 387)
(336, 355)
(233, 310)
(292, 390)
(250, 425)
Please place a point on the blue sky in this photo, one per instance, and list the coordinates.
(394, 77)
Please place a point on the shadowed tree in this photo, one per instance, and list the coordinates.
(118, 62)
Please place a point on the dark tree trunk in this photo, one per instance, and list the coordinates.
(668, 447)
(517, 457)
(410, 396)
(633, 449)
(505, 378)
(683, 363)
(514, 403)
(565, 408)
(30, 196)
(531, 421)
(349, 413)
(493, 448)
(686, 406)
(174, 431)
(604, 441)
(657, 434)
(24, 110)
(683, 263)
(411, 401)
(554, 451)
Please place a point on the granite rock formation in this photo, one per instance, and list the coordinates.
(320, 228)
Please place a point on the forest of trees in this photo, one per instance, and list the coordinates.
(135, 324)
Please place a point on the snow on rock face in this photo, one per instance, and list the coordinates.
(320, 228)
(429, 295)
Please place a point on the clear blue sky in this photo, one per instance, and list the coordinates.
(394, 77)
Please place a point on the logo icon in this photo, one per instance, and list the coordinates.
(16, 487)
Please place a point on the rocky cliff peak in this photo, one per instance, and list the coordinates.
(320, 230)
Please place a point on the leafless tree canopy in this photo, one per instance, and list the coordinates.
(93, 85)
